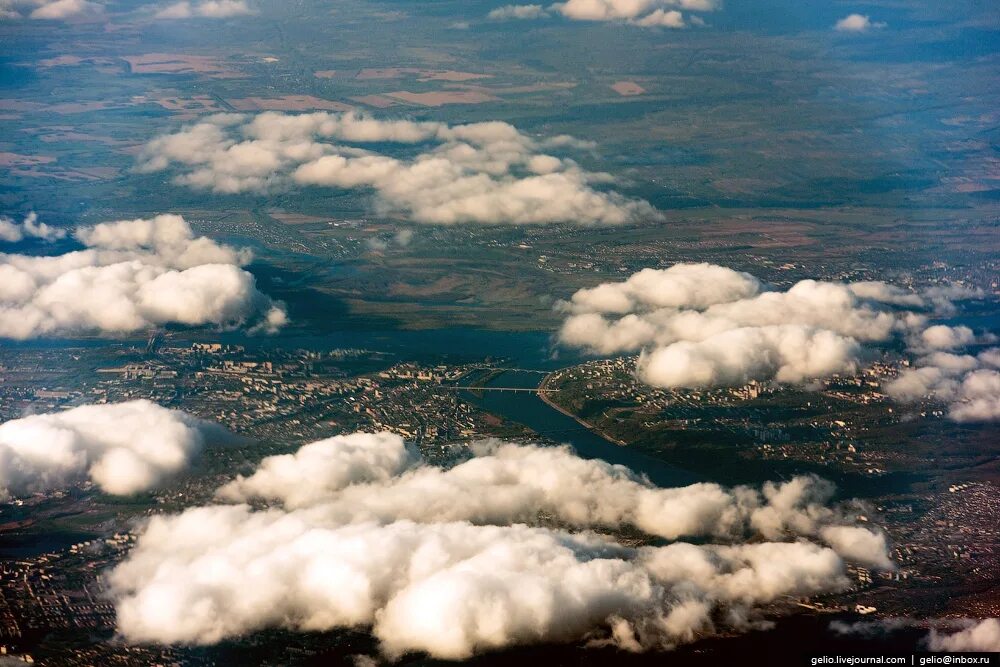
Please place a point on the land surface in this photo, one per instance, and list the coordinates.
(767, 141)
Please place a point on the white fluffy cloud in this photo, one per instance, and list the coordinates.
(483, 172)
(52, 10)
(644, 13)
(365, 477)
(131, 275)
(123, 448)
(976, 636)
(319, 470)
(11, 232)
(517, 12)
(785, 353)
(699, 325)
(680, 286)
(447, 589)
(63, 9)
(444, 561)
(216, 9)
(944, 337)
(857, 23)
(970, 385)
(662, 19)
(946, 634)
(858, 544)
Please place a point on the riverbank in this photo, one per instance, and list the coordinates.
(555, 424)
(582, 422)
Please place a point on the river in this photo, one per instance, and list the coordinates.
(528, 409)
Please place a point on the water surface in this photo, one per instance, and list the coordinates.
(530, 410)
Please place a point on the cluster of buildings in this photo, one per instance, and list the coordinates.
(764, 420)
(291, 396)
(58, 590)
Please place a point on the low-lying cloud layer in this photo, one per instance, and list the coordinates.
(699, 325)
(946, 634)
(123, 448)
(975, 636)
(857, 23)
(131, 275)
(644, 13)
(51, 10)
(445, 561)
(970, 385)
(212, 9)
(29, 228)
(522, 12)
(375, 478)
(483, 172)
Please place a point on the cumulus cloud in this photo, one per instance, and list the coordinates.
(216, 9)
(131, 275)
(858, 544)
(400, 239)
(981, 636)
(946, 634)
(784, 353)
(872, 628)
(856, 23)
(482, 172)
(645, 13)
(447, 589)
(680, 286)
(461, 570)
(376, 477)
(319, 470)
(698, 325)
(403, 237)
(123, 448)
(970, 385)
(944, 337)
(64, 9)
(12, 232)
(662, 19)
(48, 9)
(609, 10)
(508, 12)
(979, 398)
